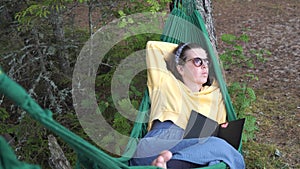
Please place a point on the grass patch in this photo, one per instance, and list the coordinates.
(258, 155)
(276, 144)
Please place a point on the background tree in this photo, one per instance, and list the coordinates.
(205, 9)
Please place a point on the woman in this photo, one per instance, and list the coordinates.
(179, 83)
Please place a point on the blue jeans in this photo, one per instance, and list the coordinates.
(201, 151)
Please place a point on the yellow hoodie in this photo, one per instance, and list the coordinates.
(173, 100)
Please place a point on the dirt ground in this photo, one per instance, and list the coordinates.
(272, 25)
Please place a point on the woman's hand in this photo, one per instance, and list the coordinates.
(224, 125)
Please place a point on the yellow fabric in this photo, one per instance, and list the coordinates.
(170, 98)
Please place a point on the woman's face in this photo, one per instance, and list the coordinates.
(191, 74)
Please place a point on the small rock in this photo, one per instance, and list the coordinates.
(277, 153)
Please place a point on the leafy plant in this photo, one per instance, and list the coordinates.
(4, 117)
(243, 97)
(237, 55)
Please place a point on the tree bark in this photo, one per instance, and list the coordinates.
(59, 34)
(57, 159)
(205, 9)
(90, 5)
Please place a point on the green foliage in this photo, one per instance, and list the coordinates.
(31, 141)
(259, 155)
(121, 124)
(3, 114)
(38, 10)
(156, 6)
(236, 54)
(5, 127)
(139, 6)
(243, 97)
(136, 85)
(120, 111)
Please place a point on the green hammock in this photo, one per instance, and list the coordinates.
(185, 24)
(88, 155)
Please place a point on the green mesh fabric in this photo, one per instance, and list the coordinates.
(185, 24)
(90, 156)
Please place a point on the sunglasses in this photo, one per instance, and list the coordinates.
(198, 61)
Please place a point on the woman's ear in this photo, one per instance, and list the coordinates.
(180, 69)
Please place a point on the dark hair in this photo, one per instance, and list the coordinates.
(178, 57)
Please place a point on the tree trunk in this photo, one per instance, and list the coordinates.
(90, 5)
(205, 9)
(59, 34)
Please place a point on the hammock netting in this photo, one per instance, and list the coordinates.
(89, 156)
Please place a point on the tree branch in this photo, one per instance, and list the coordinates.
(57, 159)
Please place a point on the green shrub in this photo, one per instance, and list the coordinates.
(237, 55)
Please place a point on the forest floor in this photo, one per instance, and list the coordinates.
(272, 25)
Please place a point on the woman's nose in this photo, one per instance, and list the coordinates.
(204, 65)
